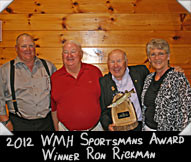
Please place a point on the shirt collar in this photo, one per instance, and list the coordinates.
(124, 76)
(19, 61)
(82, 69)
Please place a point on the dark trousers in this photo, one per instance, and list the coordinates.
(21, 124)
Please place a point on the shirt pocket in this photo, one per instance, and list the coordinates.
(43, 84)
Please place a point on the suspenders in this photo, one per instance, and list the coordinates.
(12, 81)
(45, 66)
(48, 72)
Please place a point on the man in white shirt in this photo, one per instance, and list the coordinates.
(121, 77)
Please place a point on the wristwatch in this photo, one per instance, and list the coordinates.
(5, 122)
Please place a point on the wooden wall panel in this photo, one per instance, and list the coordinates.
(98, 38)
(100, 26)
(79, 22)
(99, 55)
(94, 6)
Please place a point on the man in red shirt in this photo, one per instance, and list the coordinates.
(75, 92)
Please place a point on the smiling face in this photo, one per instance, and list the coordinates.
(71, 55)
(25, 48)
(158, 53)
(159, 59)
(117, 63)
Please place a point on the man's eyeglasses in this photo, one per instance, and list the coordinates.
(116, 61)
(73, 51)
(27, 46)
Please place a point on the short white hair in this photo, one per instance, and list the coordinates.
(72, 42)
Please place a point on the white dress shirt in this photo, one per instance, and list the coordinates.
(127, 84)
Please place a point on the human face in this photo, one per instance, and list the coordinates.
(71, 55)
(159, 59)
(117, 64)
(25, 49)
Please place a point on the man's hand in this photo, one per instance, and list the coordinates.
(10, 126)
(178, 69)
(110, 127)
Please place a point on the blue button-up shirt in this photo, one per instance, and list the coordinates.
(127, 84)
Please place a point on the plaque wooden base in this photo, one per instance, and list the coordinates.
(124, 115)
(126, 127)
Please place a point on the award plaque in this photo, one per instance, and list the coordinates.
(123, 112)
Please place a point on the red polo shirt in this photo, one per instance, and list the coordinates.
(77, 100)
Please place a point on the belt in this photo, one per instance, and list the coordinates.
(24, 119)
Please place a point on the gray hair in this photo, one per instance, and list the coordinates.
(157, 44)
(72, 42)
(119, 50)
(23, 34)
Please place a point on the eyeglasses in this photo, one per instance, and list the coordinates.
(116, 61)
(160, 54)
(27, 46)
(73, 51)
